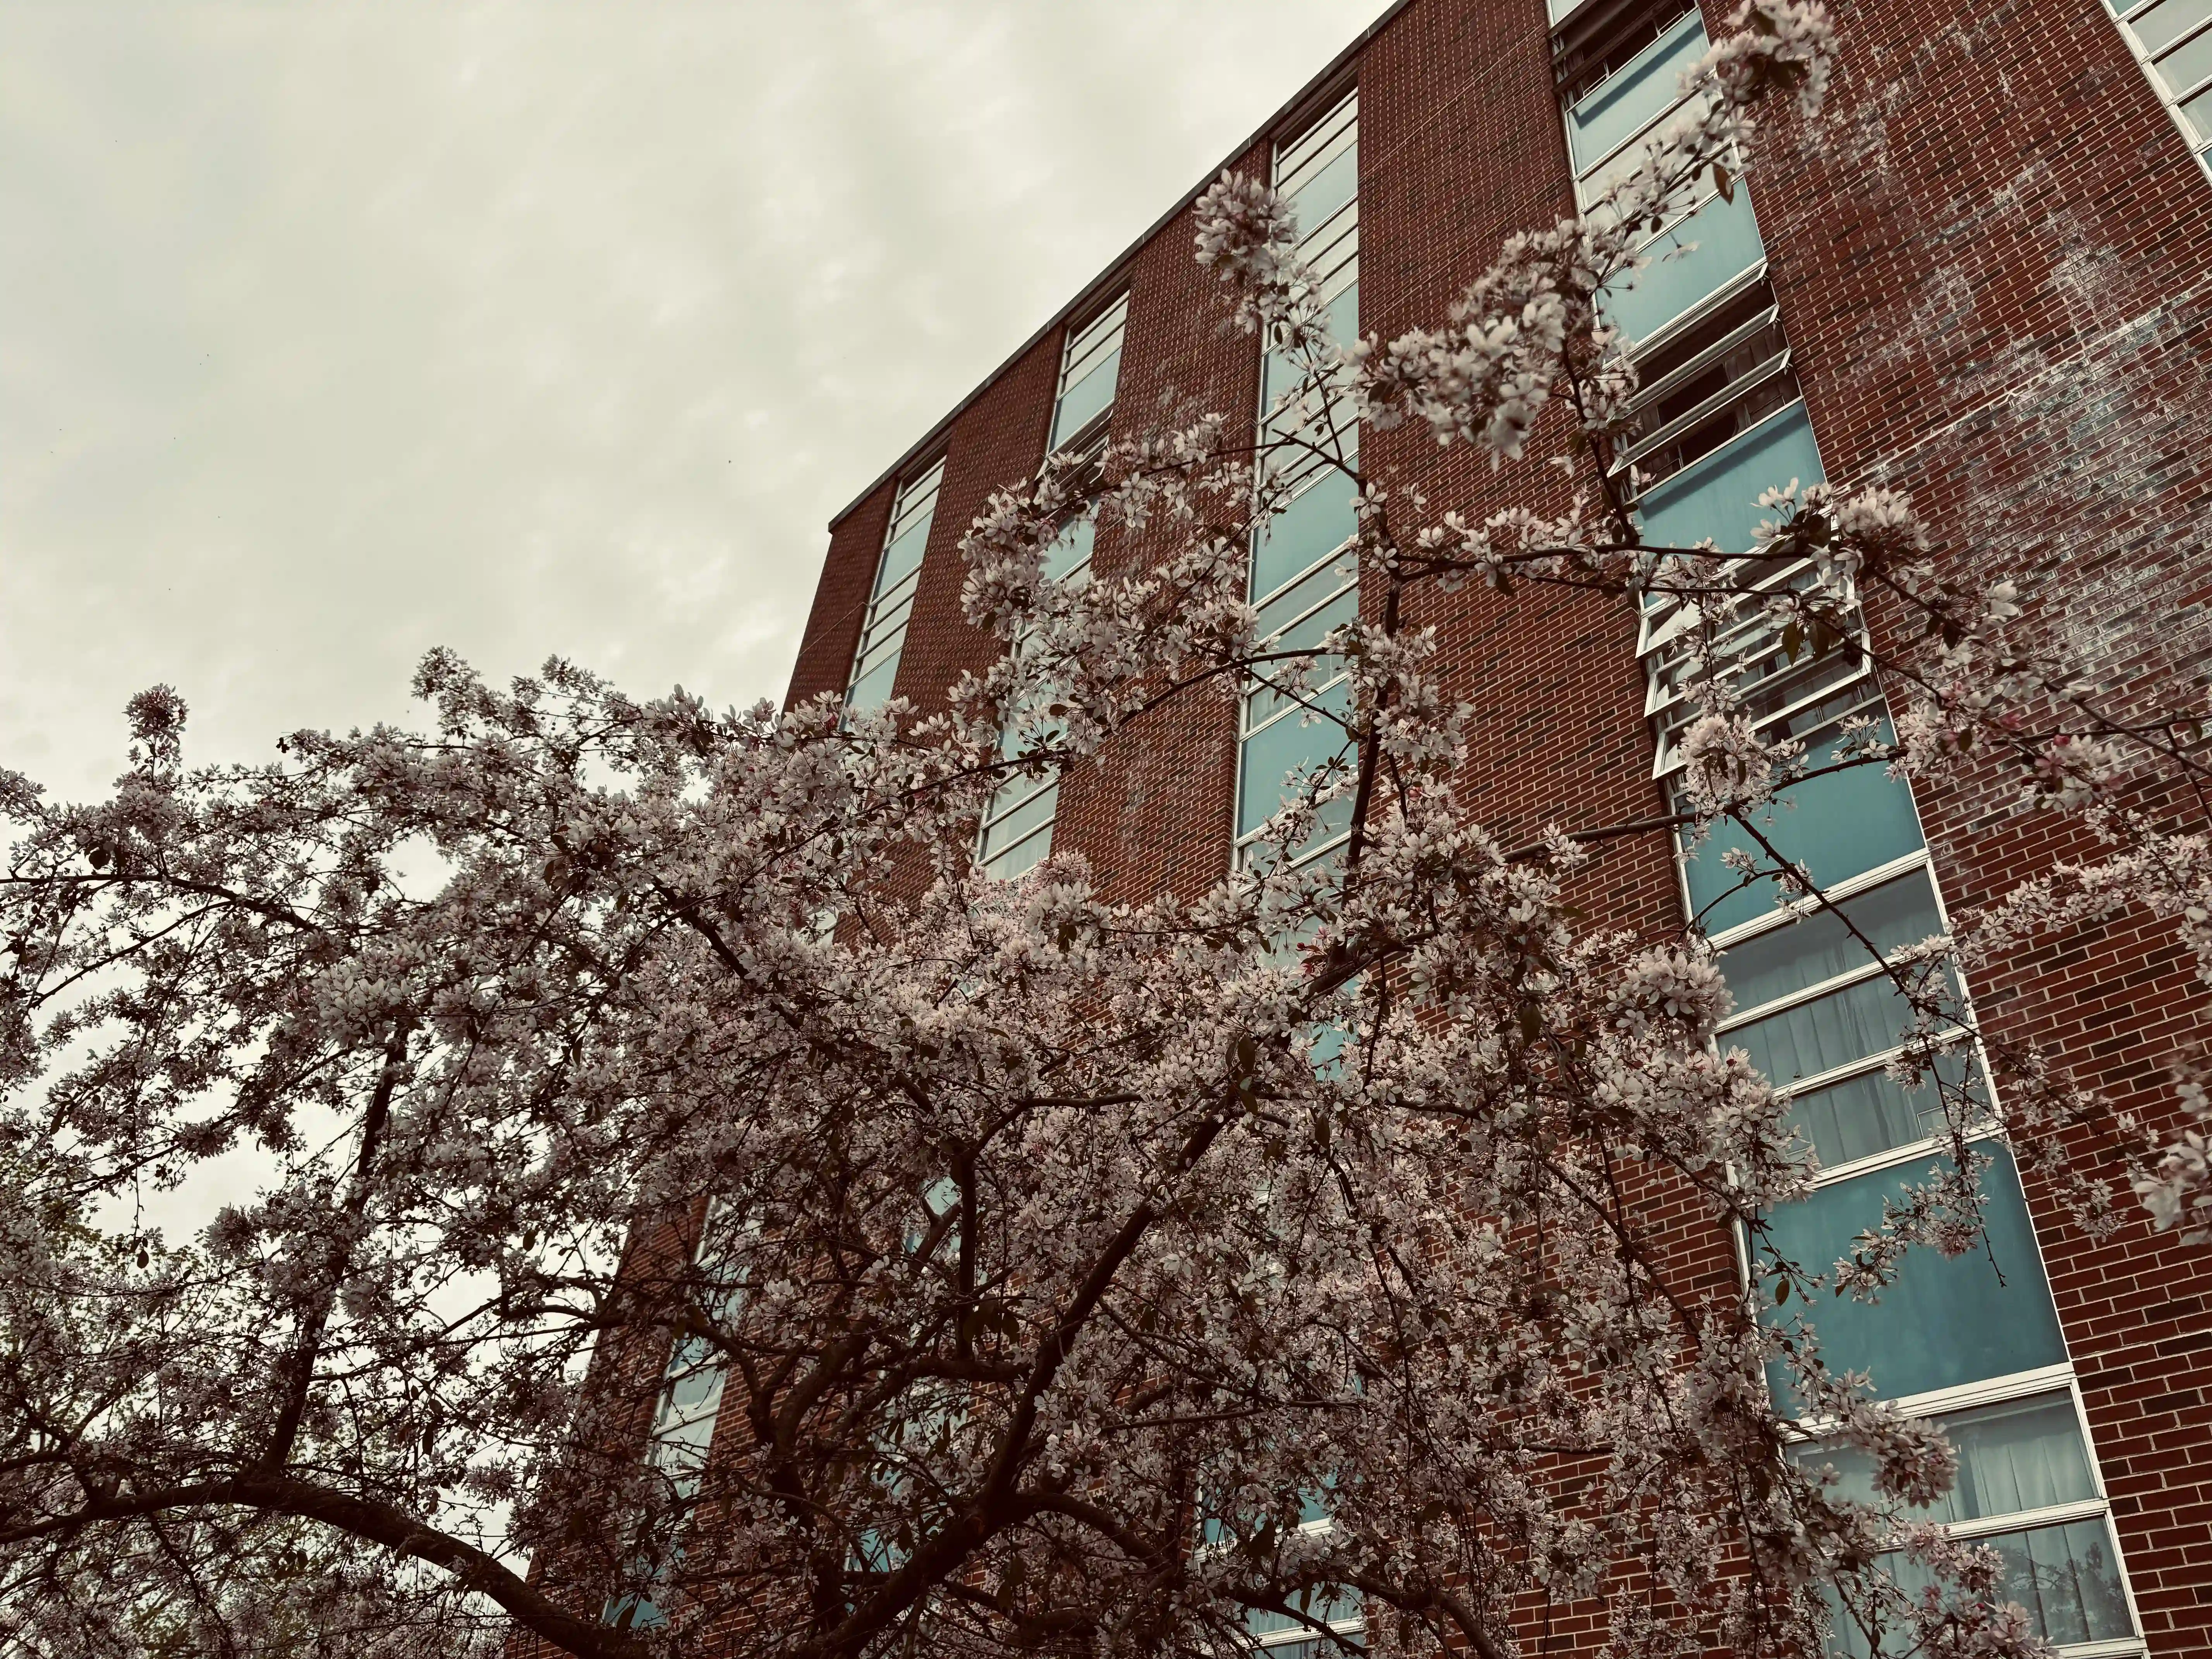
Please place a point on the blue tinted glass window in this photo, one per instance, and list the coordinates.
(1694, 258)
(1718, 495)
(1625, 102)
(1294, 741)
(1319, 518)
(1946, 1319)
(1839, 826)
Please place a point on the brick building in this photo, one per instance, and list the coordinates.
(1983, 278)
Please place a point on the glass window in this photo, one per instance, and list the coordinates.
(1819, 944)
(2017, 1455)
(1643, 66)
(2066, 1578)
(1293, 742)
(1945, 1321)
(1698, 256)
(883, 631)
(2188, 65)
(2159, 26)
(1869, 1115)
(1317, 521)
(1839, 826)
(1030, 807)
(1320, 196)
(1718, 495)
(1089, 373)
(1087, 400)
(1827, 1033)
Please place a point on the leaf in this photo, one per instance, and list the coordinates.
(1724, 183)
(1781, 1291)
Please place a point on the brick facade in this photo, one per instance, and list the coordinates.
(1991, 260)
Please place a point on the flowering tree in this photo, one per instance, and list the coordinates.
(1073, 1275)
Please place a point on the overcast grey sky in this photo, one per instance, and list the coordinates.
(331, 333)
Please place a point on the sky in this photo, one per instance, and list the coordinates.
(329, 334)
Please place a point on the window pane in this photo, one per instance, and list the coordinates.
(2066, 1577)
(1819, 946)
(1723, 237)
(1071, 549)
(1624, 103)
(1601, 181)
(903, 556)
(2186, 65)
(2199, 112)
(1330, 1610)
(1870, 1114)
(1344, 316)
(1093, 392)
(1020, 820)
(1318, 520)
(1828, 1031)
(696, 1390)
(874, 687)
(1294, 741)
(627, 1613)
(1718, 496)
(2161, 26)
(1946, 1319)
(1021, 856)
(2020, 1455)
(1286, 607)
(1319, 197)
(1839, 826)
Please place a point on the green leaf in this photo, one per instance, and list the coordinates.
(1781, 1291)
(1724, 183)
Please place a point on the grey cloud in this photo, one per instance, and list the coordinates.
(329, 334)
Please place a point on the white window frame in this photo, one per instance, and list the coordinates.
(2045, 1380)
(2121, 11)
(882, 636)
(1247, 728)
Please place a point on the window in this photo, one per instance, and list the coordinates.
(1592, 40)
(1018, 825)
(1273, 1635)
(1704, 383)
(2174, 40)
(1718, 419)
(1090, 369)
(683, 1429)
(1016, 832)
(1304, 580)
(1619, 64)
(883, 633)
(2028, 1489)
